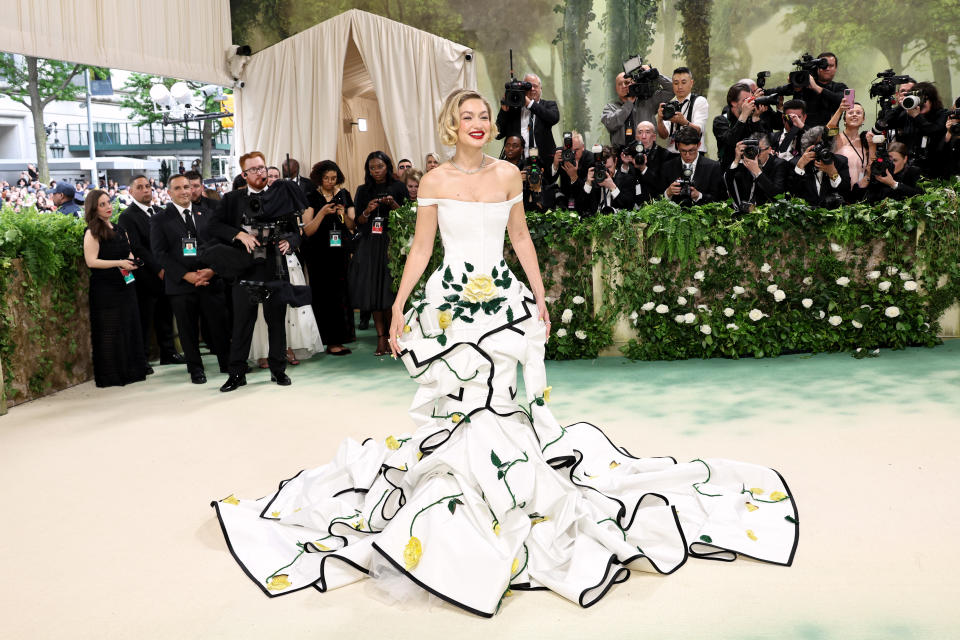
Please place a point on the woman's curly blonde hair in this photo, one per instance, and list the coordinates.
(450, 116)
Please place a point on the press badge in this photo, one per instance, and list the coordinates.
(335, 238)
(377, 228)
(189, 246)
(127, 276)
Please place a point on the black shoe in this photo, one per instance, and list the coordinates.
(173, 358)
(198, 377)
(249, 368)
(149, 370)
(281, 379)
(364, 325)
(234, 382)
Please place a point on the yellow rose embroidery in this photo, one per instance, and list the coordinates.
(444, 318)
(278, 583)
(516, 565)
(419, 455)
(614, 464)
(777, 496)
(539, 520)
(752, 507)
(322, 547)
(508, 593)
(455, 418)
(751, 535)
(231, 499)
(406, 328)
(546, 394)
(496, 528)
(404, 467)
(275, 514)
(412, 553)
(480, 289)
(392, 443)
(756, 492)
(358, 525)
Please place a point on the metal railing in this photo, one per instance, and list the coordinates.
(113, 136)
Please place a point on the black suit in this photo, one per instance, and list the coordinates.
(544, 115)
(597, 201)
(743, 187)
(154, 307)
(805, 186)
(570, 194)
(306, 184)
(649, 180)
(707, 178)
(728, 131)
(820, 107)
(907, 180)
(190, 302)
(786, 144)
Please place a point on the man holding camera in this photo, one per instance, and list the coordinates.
(686, 109)
(822, 94)
(242, 221)
(193, 289)
(786, 143)
(622, 117)
(571, 163)
(920, 124)
(756, 175)
(689, 178)
(820, 176)
(533, 121)
(645, 158)
(609, 185)
(740, 119)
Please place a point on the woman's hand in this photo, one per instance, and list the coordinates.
(128, 265)
(327, 209)
(396, 330)
(543, 313)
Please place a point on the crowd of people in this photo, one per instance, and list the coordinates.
(807, 139)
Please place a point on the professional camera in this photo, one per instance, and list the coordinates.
(645, 82)
(599, 166)
(685, 183)
(954, 114)
(516, 90)
(762, 79)
(751, 149)
(822, 152)
(637, 151)
(911, 100)
(670, 109)
(882, 163)
(568, 154)
(770, 100)
(534, 173)
(883, 89)
(806, 65)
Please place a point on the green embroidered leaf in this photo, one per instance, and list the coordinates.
(706, 539)
(463, 278)
(503, 263)
(500, 474)
(448, 275)
(494, 458)
(442, 339)
(444, 306)
(509, 314)
(790, 519)
(457, 313)
(451, 298)
(474, 307)
(452, 505)
(456, 287)
(467, 319)
(494, 273)
(468, 266)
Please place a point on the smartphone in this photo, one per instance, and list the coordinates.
(849, 96)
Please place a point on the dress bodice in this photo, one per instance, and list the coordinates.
(472, 232)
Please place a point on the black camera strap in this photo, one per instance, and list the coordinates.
(692, 98)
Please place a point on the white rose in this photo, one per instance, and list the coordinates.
(807, 303)
(856, 325)
(703, 307)
(843, 281)
(578, 300)
(705, 329)
(835, 247)
(821, 314)
(581, 335)
(755, 314)
(910, 285)
(883, 286)
(891, 312)
(865, 306)
(738, 290)
(721, 251)
(561, 333)
(678, 319)
(647, 306)
(662, 308)
(548, 299)
(654, 260)
(892, 271)
(634, 316)
(835, 320)
(765, 268)
(772, 288)
(699, 275)
(689, 318)
(779, 295)
(873, 275)
(566, 316)
(905, 276)
(808, 280)
(732, 327)
(728, 312)
(659, 288)
(692, 291)
(681, 300)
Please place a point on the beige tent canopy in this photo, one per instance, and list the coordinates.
(303, 93)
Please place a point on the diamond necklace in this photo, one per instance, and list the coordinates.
(482, 161)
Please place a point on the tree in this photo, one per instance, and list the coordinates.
(630, 26)
(694, 44)
(142, 111)
(35, 83)
(574, 57)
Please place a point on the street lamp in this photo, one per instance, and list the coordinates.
(56, 149)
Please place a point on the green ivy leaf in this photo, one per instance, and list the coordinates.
(448, 275)
(463, 278)
(451, 298)
(494, 273)
(706, 539)
(457, 287)
(509, 314)
(452, 505)
(495, 459)
(442, 339)
(445, 306)
(468, 266)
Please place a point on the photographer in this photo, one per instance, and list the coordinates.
(645, 159)
(263, 221)
(686, 109)
(951, 140)
(739, 119)
(531, 173)
(786, 143)
(922, 127)
(820, 176)
(533, 121)
(898, 184)
(756, 175)
(622, 117)
(571, 163)
(822, 95)
(606, 187)
(690, 178)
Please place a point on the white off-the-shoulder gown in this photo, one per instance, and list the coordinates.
(489, 493)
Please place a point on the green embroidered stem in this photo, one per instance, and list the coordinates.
(563, 432)
(526, 559)
(370, 517)
(463, 416)
(743, 489)
(696, 485)
(503, 468)
(271, 576)
(427, 368)
(617, 525)
(432, 504)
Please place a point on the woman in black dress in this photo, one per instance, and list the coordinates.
(118, 356)
(327, 226)
(371, 285)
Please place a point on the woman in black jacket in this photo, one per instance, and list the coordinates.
(899, 181)
(371, 283)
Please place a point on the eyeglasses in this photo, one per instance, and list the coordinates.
(255, 170)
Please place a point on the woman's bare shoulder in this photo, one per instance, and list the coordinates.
(430, 183)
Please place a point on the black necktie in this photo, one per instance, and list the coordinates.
(188, 217)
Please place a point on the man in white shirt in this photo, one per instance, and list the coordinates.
(533, 121)
(693, 111)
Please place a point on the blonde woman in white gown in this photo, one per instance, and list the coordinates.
(489, 493)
